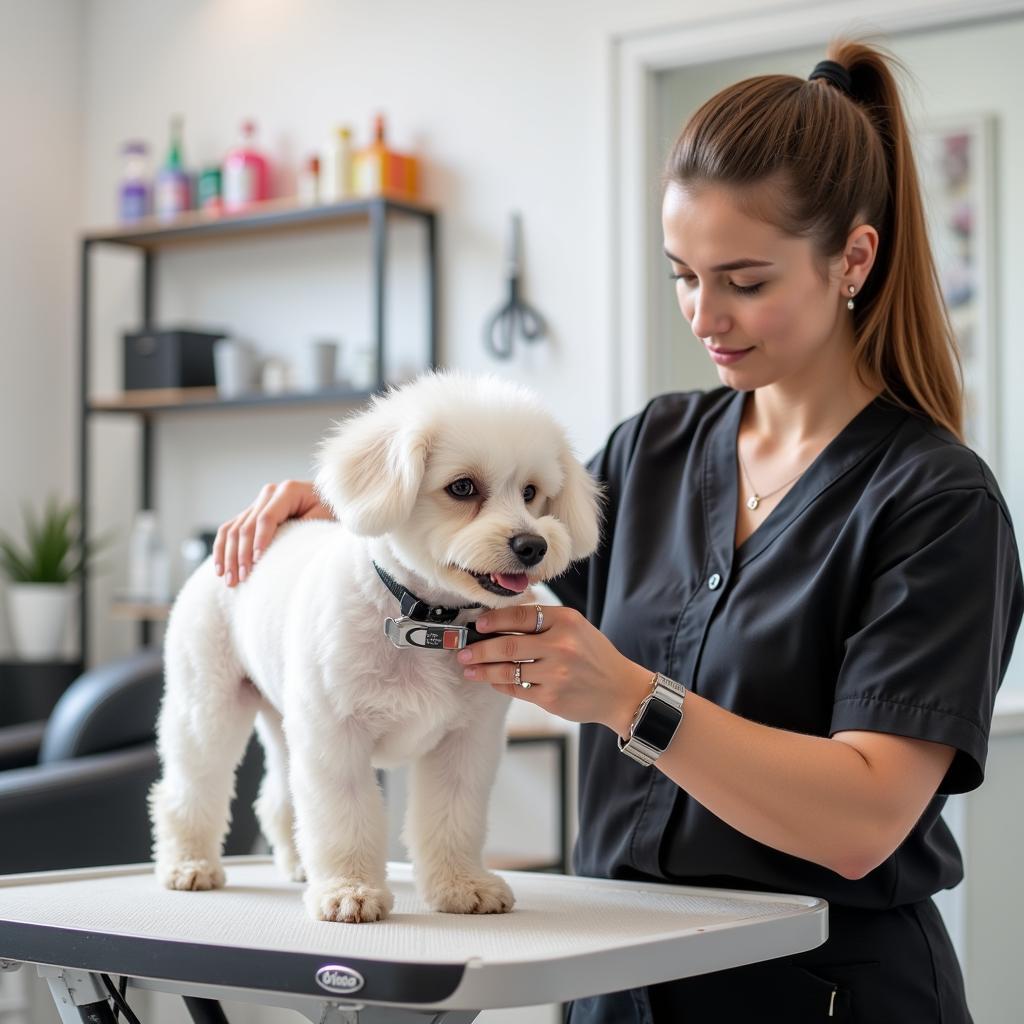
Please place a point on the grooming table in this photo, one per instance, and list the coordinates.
(567, 937)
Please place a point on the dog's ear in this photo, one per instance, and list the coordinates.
(369, 470)
(579, 505)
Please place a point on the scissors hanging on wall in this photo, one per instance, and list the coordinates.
(515, 316)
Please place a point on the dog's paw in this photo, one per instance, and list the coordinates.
(481, 894)
(348, 902)
(191, 875)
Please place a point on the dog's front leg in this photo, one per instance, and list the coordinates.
(446, 818)
(340, 820)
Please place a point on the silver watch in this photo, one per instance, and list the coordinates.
(655, 721)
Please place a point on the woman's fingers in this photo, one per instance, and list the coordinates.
(218, 548)
(247, 527)
(246, 531)
(241, 541)
(521, 618)
(232, 550)
(222, 548)
(230, 562)
(292, 499)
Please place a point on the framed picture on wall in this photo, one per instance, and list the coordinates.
(956, 159)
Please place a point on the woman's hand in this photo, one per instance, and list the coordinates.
(575, 670)
(241, 541)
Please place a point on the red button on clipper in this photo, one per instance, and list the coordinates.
(450, 641)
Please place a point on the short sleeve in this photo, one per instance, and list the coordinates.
(582, 585)
(571, 587)
(936, 625)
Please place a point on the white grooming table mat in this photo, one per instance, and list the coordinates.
(566, 938)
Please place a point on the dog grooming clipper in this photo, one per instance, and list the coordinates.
(407, 632)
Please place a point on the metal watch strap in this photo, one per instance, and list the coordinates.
(655, 722)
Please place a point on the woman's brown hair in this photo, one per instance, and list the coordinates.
(831, 162)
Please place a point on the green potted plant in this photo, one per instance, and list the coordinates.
(43, 573)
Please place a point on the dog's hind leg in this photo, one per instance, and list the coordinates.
(206, 718)
(274, 804)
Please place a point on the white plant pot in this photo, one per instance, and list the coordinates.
(39, 616)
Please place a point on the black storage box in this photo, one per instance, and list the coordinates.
(169, 359)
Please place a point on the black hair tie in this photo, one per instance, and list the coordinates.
(835, 73)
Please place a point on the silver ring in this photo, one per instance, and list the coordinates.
(519, 680)
(540, 618)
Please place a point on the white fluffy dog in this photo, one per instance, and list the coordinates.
(465, 491)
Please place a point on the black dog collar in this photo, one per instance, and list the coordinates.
(413, 607)
(424, 625)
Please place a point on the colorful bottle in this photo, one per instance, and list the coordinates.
(173, 192)
(133, 201)
(370, 164)
(148, 566)
(308, 183)
(379, 171)
(246, 176)
(208, 190)
(336, 167)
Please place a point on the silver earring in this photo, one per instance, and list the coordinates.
(849, 301)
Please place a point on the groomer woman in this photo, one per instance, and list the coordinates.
(807, 571)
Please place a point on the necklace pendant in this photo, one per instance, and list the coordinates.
(753, 501)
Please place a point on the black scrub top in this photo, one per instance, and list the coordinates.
(883, 592)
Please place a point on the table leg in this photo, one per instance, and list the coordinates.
(79, 996)
(205, 1011)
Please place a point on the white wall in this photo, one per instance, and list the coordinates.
(40, 189)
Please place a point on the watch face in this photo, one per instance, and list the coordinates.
(657, 724)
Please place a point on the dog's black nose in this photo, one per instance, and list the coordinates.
(528, 548)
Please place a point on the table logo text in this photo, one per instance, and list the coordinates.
(339, 980)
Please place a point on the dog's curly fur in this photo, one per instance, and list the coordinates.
(299, 650)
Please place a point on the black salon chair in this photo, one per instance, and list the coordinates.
(73, 788)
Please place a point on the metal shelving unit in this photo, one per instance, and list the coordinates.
(149, 238)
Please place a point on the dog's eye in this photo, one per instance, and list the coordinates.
(463, 488)
(530, 493)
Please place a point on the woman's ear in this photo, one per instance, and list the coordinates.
(579, 505)
(370, 468)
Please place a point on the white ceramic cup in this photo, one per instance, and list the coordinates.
(274, 376)
(234, 367)
(321, 365)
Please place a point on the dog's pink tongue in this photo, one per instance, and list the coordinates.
(512, 581)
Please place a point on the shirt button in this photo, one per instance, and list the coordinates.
(714, 580)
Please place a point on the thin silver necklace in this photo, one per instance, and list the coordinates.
(755, 499)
